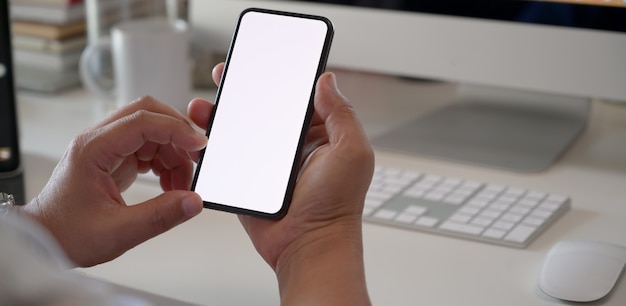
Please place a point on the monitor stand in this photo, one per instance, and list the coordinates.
(502, 128)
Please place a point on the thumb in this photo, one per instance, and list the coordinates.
(338, 114)
(158, 215)
(327, 96)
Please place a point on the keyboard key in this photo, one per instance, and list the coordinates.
(520, 210)
(469, 210)
(520, 233)
(454, 200)
(540, 213)
(534, 221)
(433, 178)
(411, 175)
(471, 184)
(494, 233)
(373, 203)
(549, 206)
(490, 213)
(427, 221)
(482, 221)
(450, 181)
(385, 214)
(392, 188)
(487, 196)
(415, 193)
(460, 218)
(380, 195)
(461, 228)
(462, 192)
(406, 218)
(528, 202)
(435, 196)
(416, 210)
(478, 203)
(537, 195)
(425, 184)
(495, 188)
(500, 205)
(367, 211)
(512, 218)
(503, 225)
(515, 191)
(555, 198)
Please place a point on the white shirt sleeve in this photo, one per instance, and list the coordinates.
(35, 271)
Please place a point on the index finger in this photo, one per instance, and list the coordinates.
(148, 103)
(334, 111)
(111, 143)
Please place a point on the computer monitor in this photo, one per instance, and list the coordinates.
(549, 59)
(11, 180)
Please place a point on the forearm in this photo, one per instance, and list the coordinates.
(326, 270)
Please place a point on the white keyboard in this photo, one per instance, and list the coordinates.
(463, 208)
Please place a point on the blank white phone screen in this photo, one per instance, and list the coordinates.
(261, 111)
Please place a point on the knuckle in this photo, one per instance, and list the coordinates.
(160, 222)
(145, 101)
(140, 115)
(80, 142)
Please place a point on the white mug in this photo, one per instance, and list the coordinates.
(150, 57)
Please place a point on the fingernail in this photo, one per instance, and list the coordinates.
(333, 81)
(335, 87)
(191, 206)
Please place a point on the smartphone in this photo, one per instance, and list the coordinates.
(262, 112)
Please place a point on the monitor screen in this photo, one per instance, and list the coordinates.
(9, 156)
(621, 3)
(11, 177)
(592, 14)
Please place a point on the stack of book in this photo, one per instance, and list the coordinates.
(48, 38)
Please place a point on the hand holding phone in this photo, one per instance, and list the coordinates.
(262, 112)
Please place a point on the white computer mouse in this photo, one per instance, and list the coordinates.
(581, 271)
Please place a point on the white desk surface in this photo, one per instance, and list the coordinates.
(209, 260)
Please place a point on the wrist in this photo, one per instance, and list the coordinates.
(324, 266)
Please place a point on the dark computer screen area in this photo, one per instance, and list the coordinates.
(9, 157)
(597, 17)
